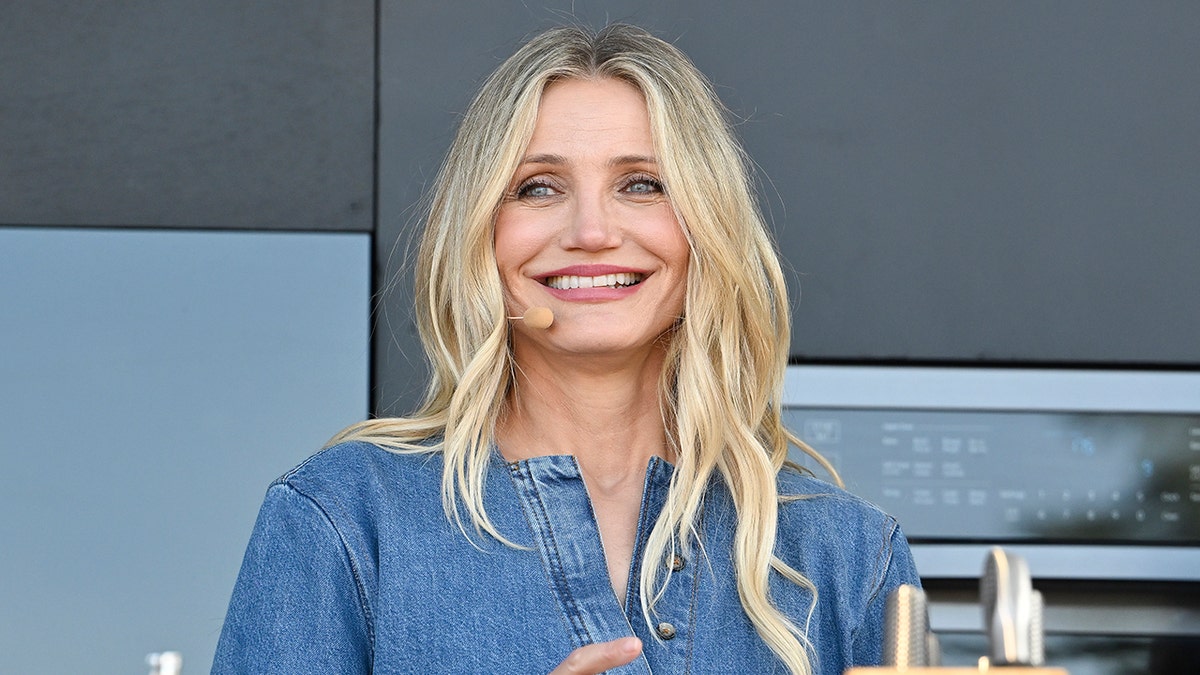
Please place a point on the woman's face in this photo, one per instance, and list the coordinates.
(586, 228)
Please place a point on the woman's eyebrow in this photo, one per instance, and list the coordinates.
(559, 160)
(555, 160)
(625, 160)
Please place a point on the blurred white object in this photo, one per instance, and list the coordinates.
(906, 628)
(165, 663)
(1037, 629)
(1006, 593)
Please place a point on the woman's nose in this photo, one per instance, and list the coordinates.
(592, 225)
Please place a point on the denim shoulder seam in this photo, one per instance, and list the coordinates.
(286, 478)
(883, 559)
(355, 570)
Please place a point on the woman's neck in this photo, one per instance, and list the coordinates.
(609, 419)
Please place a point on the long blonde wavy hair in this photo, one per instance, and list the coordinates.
(722, 384)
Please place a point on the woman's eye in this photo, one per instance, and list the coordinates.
(644, 185)
(535, 190)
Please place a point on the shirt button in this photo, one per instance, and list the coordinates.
(676, 563)
(665, 630)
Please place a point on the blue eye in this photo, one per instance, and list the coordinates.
(536, 189)
(644, 185)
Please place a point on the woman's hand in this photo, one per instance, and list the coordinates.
(599, 657)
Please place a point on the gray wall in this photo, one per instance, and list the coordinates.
(152, 383)
(186, 215)
(949, 182)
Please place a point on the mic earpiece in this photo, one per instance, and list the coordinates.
(536, 317)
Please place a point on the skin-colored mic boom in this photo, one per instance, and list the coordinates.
(536, 317)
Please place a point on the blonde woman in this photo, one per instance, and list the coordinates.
(606, 493)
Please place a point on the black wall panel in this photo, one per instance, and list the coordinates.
(949, 182)
(214, 113)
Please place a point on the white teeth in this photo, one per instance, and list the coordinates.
(618, 280)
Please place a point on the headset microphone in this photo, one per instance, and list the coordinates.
(536, 317)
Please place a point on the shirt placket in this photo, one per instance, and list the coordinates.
(668, 637)
(568, 541)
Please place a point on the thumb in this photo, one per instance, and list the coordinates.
(599, 657)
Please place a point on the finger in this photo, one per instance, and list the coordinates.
(599, 657)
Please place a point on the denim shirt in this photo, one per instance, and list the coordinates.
(353, 567)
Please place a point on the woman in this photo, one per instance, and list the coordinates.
(605, 493)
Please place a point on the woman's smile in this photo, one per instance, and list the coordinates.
(587, 228)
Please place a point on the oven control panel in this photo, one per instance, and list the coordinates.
(1097, 477)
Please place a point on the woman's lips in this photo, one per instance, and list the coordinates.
(617, 280)
(592, 282)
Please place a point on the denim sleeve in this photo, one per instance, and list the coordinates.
(296, 607)
(898, 568)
